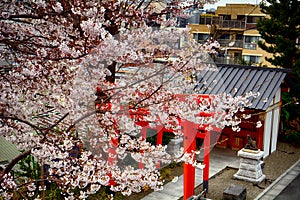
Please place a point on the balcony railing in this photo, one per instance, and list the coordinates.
(232, 24)
(238, 24)
(224, 60)
(216, 20)
(230, 43)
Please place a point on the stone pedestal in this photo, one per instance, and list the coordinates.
(250, 166)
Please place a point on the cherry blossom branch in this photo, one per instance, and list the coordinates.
(21, 120)
(9, 167)
(80, 119)
(56, 123)
(148, 96)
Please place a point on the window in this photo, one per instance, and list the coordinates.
(205, 19)
(225, 37)
(252, 59)
(239, 36)
(237, 55)
(226, 17)
(251, 39)
(201, 36)
(253, 19)
(240, 17)
(251, 42)
(195, 36)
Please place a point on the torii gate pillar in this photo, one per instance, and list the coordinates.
(206, 161)
(189, 144)
(189, 130)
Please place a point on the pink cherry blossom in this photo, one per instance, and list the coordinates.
(81, 79)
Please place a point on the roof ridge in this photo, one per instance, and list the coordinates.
(285, 70)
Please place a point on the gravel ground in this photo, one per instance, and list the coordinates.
(275, 164)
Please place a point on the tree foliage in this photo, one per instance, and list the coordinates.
(80, 79)
(281, 32)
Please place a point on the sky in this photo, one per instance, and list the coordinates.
(223, 3)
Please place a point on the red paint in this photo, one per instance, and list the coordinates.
(189, 144)
(260, 137)
(206, 156)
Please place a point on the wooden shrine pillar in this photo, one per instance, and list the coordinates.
(159, 140)
(189, 143)
(190, 146)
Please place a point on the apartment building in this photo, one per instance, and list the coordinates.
(234, 27)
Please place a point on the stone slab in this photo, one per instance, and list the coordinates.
(253, 156)
(249, 161)
(235, 192)
(252, 180)
(246, 166)
(249, 174)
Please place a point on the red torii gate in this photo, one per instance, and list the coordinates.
(189, 129)
(190, 147)
(189, 144)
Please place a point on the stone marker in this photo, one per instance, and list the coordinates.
(235, 192)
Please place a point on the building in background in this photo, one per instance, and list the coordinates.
(234, 27)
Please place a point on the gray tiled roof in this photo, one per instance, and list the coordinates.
(244, 79)
(8, 151)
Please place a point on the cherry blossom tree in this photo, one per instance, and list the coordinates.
(80, 80)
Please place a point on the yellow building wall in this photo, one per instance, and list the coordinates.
(258, 51)
(199, 28)
(239, 9)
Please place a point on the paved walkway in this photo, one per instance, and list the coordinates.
(219, 160)
(281, 183)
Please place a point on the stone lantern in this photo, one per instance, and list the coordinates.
(250, 164)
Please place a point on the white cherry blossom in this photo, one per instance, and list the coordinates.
(81, 81)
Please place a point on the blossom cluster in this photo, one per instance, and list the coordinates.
(83, 81)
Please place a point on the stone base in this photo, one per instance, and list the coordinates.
(252, 180)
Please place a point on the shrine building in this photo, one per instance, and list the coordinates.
(269, 82)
